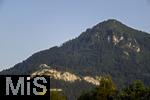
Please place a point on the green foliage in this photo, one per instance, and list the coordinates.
(135, 91)
(108, 91)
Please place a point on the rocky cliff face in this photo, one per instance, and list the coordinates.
(65, 76)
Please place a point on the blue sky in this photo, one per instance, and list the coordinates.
(28, 26)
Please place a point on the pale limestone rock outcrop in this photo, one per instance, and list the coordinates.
(66, 76)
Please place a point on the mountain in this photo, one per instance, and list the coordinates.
(109, 47)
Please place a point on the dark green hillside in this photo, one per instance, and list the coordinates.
(109, 47)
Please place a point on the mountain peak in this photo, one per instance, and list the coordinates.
(108, 30)
(109, 47)
(112, 21)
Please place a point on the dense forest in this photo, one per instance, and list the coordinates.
(107, 90)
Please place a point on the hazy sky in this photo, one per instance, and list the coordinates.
(28, 26)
